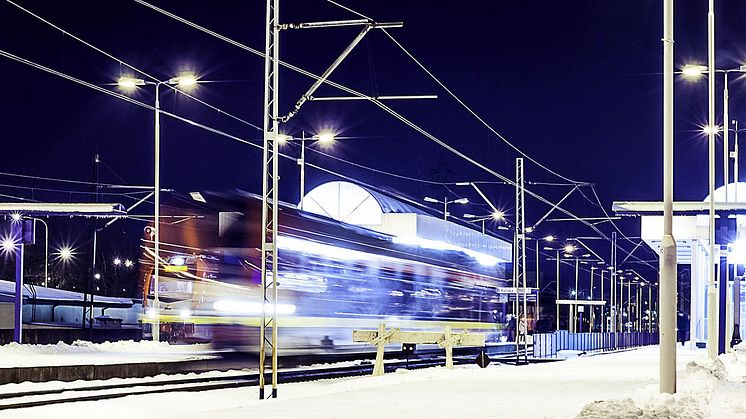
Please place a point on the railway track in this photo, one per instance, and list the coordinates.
(72, 394)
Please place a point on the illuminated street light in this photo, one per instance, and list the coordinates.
(117, 261)
(445, 203)
(183, 81)
(97, 276)
(186, 80)
(16, 216)
(325, 137)
(127, 263)
(693, 70)
(9, 245)
(65, 254)
(130, 82)
(569, 248)
(715, 130)
(498, 215)
(549, 238)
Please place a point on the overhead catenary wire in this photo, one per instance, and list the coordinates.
(136, 69)
(378, 103)
(374, 101)
(196, 124)
(481, 120)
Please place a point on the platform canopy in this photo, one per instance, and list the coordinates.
(690, 221)
(93, 209)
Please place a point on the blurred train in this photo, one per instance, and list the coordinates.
(333, 277)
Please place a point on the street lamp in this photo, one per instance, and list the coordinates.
(46, 245)
(712, 328)
(65, 254)
(495, 216)
(325, 138)
(183, 81)
(445, 203)
(547, 239)
(8, 245)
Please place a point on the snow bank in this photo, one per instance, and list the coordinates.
(662, 406)
(84, 352)
(716, 369)
(705, 387)
(83, 347)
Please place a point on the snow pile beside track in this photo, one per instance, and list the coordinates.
(84, 352)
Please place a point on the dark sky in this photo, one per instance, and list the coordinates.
(575, 85)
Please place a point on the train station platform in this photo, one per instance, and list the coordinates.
(84, 360)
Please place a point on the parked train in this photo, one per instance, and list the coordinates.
(333, 277)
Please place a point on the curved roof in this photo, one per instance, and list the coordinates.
(735, 189)
(353, 204)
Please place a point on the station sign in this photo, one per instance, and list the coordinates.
(514, 290)
(175, 268)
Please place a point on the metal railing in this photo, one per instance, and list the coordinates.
(546, 345)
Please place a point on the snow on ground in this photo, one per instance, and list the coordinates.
(624, 383)
(705, 388)
(86, 353)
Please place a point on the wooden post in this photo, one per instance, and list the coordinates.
(380, 346)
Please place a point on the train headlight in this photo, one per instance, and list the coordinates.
(245, 307)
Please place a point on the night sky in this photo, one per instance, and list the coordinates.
(575, 85)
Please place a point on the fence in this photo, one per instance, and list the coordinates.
(546, 345)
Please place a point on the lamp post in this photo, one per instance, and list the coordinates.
(46, 248)
(325, 138)
(569, 250)
(735, 158)
(445, 203)
(548, 239)
(592, 317)
(184, 81)
(495, 216)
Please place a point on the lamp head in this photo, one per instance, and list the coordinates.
(326, 137)
(184, 81)
(693, 70)
(130, 82)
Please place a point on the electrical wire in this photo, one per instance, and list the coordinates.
(377, 103)
(210, 129)
(138, 70)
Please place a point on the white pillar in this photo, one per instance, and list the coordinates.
(694, 314)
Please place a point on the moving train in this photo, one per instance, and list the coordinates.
(333, 277)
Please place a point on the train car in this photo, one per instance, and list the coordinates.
(333, 277)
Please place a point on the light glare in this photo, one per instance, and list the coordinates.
(325, 137)
(693, 71)
(130, 82)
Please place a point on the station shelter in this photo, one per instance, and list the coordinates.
(691, 232)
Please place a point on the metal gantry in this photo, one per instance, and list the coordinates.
(519, 265)
(270, 180)
(270, 226)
